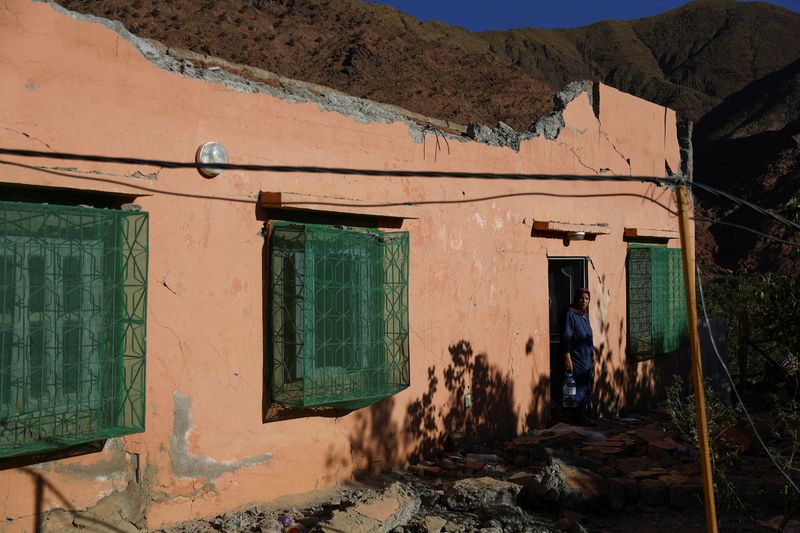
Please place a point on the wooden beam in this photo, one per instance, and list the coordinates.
(647, 233)
(567, 227)
(299, 202)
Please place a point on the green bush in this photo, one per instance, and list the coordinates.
(720, 417)
(772, 305)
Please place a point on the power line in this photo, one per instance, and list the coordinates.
(748, 229)
(751, 205)
(414, 173)
(300, 169)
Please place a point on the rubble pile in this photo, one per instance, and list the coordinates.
(611, 476)
(634, 462)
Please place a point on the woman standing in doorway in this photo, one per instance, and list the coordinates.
(578, 348)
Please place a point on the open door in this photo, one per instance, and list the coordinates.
(564, 276)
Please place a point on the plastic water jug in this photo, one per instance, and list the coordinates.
(570, 391)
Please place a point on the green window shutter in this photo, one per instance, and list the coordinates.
(640, 303)
(675, 320)
(73, 287)
(657, 319)
(339, 315)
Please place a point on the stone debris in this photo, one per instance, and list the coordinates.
(564, 478)
(433, 524)
(481, 493)
(393, 507)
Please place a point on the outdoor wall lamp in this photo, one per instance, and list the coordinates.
(576, 235)
(208, 154)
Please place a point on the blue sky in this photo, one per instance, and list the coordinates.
(479, 15)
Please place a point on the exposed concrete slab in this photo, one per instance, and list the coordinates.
(479, 493)
(392, 508)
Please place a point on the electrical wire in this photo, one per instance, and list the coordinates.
(399, 173)
(394, 173)
(334, 170)
(748, 229)
(751, 205)
(733, 385)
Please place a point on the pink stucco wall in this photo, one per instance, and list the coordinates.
(478, 284)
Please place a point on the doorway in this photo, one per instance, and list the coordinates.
(564, 276)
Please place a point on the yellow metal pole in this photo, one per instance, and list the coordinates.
(687, 245)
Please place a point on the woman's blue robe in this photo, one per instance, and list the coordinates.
(576, 339)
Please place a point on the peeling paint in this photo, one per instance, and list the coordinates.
(456, 240)
(113, 466)
(186, 465)
(152, 176)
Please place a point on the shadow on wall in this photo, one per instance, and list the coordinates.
(491, 415)
(428, 427)
(75, 516)
(629, 384)
(442, 413)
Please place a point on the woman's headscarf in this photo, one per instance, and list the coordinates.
(575, 308)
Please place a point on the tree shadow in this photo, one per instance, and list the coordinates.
(376, 441)
(479, 405)
(470, 401)
(41, 486)
(624, 383)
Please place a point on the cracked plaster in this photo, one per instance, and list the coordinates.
(184, 463)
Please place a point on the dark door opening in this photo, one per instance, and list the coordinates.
(564, 276)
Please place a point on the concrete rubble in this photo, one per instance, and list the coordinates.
(565, 478)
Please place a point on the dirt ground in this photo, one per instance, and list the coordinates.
(629, 474)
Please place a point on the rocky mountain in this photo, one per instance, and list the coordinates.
(749, 145)
(689, 59)
(730, 66)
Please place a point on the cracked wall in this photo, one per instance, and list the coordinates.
(206, 448)
(186, 464)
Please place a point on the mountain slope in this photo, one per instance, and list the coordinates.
(767, 104)
(750, 145)
(688, 59)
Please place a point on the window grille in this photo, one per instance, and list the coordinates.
(657, 319)
(73, 286)
(339, 315)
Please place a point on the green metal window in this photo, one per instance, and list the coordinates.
(657, 320)
(339, 315)
(73, 286)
